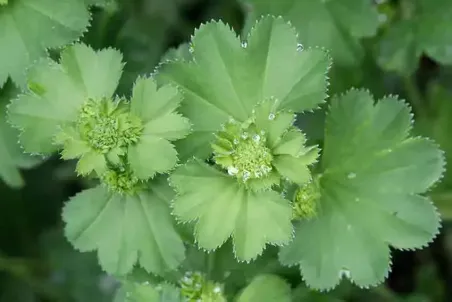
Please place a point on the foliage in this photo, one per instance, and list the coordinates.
(221, 169)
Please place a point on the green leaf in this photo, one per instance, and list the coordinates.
(155, 107)
(222, 208)
(227, 78)
(57, 92)
(266, 288)
(335, 25)
(29, 27)
(125, 229)
(12, 157)
(422, 31)
(373, 173)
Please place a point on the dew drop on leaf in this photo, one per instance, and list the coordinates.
(256, 138)
(344, 273)
(244, 44)
(271, 116)
(351, 175)
(300, 47)
(232, 170)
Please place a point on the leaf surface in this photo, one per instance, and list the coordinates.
(125, 229)
(373, 175)
(222, 208)
(228, 78)
(334, 25)
(29, 27)
(57, 92)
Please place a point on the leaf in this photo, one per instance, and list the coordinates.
(422, 31)
(155, 107)
(125, 229)
(266, 288)
(12, 157)
(373, 173)
(227, 78)
(57, 92)
(334, 25)
(222, 208)
(29, 27)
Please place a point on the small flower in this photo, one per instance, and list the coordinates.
(306, 201)
(261, 151)
(196, 287)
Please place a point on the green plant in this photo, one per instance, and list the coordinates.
(202, 169)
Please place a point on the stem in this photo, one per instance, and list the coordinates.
(443, 201)
(210, 263)
(414, 95)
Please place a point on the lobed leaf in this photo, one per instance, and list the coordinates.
(228, 78)
(423, 31)
(222, 208)
(29, 27)
(266, 288)
(373, 173)
(335, 25)
(57, 91)
(125, 229)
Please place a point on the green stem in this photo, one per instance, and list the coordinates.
(210, 263)
(443, 201)
(413, 93)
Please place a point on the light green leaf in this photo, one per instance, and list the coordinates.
(125, 229)
(29, 27)
(155, 107)
(151, 155)
(423, 30)
(12, 157)
(228, 78)
(372, 175)
(146, 292)
(223, 208)
(57, 92)
(335, 25)
(266, 288)
(91, 161)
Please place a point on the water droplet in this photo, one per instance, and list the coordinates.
(351, 175)
(216, 289)
(191, 49)
(382, 18)
(271, 116)
(244, 135)
(236, 141)
(344, 273)
(231, 120)
(232, 170)
(187, 279)
(244, 44)
(262, 132)
(257, 174)
(300, 47)
(246, 175)
(198, 286)
(256, 138)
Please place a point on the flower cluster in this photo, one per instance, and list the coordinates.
(195, 287)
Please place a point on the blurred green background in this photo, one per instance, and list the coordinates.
(36, 262)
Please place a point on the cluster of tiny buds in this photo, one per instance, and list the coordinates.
(196, 288)
(251, 158)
